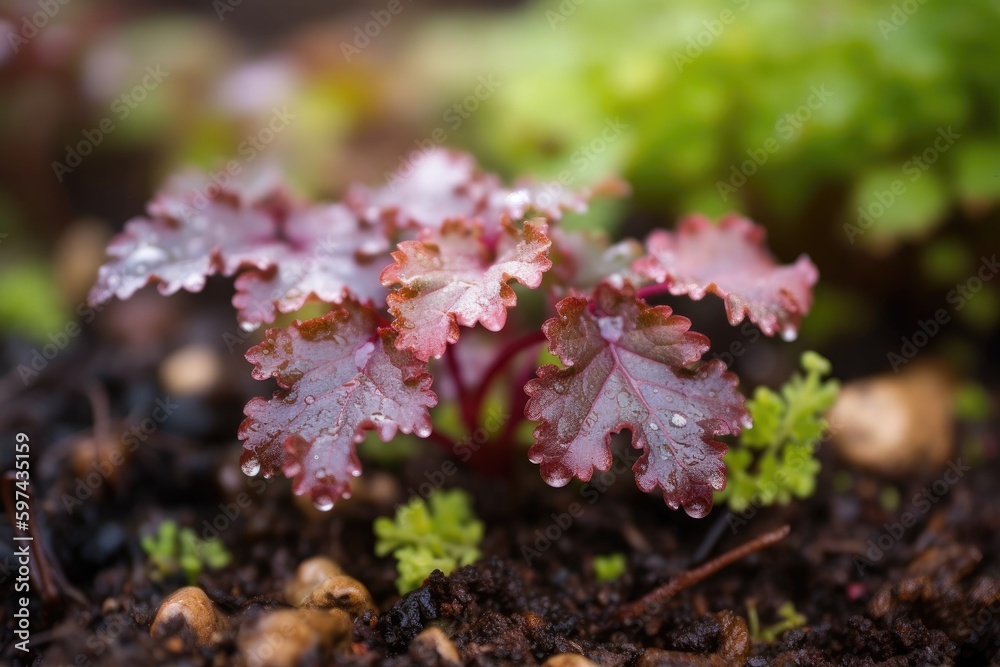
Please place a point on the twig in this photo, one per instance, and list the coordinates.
(689, 578)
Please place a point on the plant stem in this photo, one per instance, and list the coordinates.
(655, 289)
(504, 357)
(466, 407)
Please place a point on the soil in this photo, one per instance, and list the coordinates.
(925, 594)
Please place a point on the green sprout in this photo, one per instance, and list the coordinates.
(775, 460)
(441, 533)
(790, 619)
(172, 549)
(610, 567)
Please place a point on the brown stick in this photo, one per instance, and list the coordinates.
(688, 578)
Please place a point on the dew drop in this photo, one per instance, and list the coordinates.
(250, 467)
(249, 327)
(678, 420)
(363, 354)
(558, 479)
(559, 387)
(711, 394)
(423, 431)
(788, 334)
(266, 351)
(655, 390)
(355, 473)
(310, 399)
(611, 328)
(321, 473)
(697, 508)
(653, 426)
(323, 503)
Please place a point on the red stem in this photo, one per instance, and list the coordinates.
(469, 414)
(653, 290)
(506, 354)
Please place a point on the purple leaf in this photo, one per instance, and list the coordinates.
(339, 376)
(731, 260)
(630, 366)
(458, 275)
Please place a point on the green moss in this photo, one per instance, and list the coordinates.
(609, 567)
(440, 533)
(172, 549)
(775, 459)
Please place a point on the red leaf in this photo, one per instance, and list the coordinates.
(731, 261)
(439, 185)
(459, 276)
(330, 255)
(628, 366)
(295, 252)
(189, 235)
(339, 375)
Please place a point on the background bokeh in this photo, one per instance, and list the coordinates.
(864, 132)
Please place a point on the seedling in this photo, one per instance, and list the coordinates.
(610, 567)
(790, 619)
(172, 549)
(776, 458)
(406, 267)
(441, 533)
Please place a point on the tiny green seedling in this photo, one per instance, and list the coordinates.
(790, 619)
(775, 460)
(172, 549)
(610, 567)
(440, 533)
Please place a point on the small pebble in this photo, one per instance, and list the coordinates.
(433, 646)
(341, 592)
(896, 425)
(190, 371)
(207, 624)
(104, 457)
(310, 574)
(284, 638)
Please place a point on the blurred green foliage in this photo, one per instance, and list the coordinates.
(705, 86)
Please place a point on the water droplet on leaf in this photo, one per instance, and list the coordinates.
(250, 467)
(323, 503)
